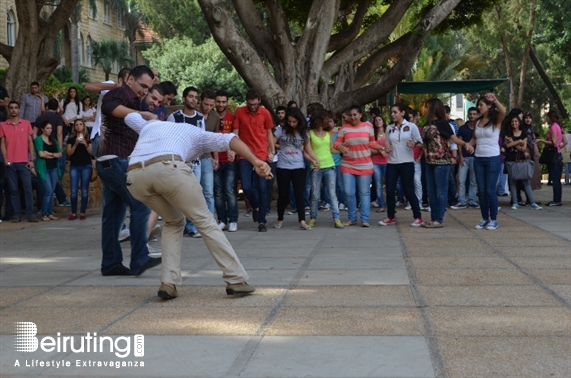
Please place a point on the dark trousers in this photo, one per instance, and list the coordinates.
(406, 173)
(14, 172)
(297, 178)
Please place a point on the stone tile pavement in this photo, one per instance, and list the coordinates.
(378, 302)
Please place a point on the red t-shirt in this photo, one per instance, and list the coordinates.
(226, 127)
(253, 129)
(17, 140)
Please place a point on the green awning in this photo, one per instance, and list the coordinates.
(449, 86)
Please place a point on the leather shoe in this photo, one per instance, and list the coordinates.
(167, 291)
(117, 270)
(239, 288)
(152, 262)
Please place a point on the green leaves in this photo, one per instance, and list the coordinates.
(108, 52)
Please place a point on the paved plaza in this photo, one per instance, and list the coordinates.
(390, 301)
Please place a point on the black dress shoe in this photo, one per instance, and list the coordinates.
(150, 264)
(117, 270)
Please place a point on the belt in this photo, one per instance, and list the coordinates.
(158, 159)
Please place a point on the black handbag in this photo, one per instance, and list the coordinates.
(548, 155)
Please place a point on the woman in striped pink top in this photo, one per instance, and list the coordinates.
(355, 141)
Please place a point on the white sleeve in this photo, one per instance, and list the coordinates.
(135, 121)
(416, 134)
(214, 142)
(170, 118)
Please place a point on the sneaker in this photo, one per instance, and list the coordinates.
(483, 223)
(65, 203)
(233, 227)
(374, 204)
(262, 228)
(248, 213)
(552, 204)
(154, 252)
(417, 223)
(240, 288)
(167, 291)
(427, 208)
(327, 207)
(195, 235)
(312, 223)
(387, 222)
(34, 219)
(155, 232)
(535, 206)
(339, 224)
(492, 225)
(474, 206)
(124, 234)
(408, 207)
(342, 206)
(399, 203)
(458, 206)
(291, 212)
(222, 225)
(515, 206)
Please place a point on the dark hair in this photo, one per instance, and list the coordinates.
(281, 107)
(301, 125)
(527, 114)
(14, 102)
(376, 128)
(43, 126)
(85, 98)
(253, 94)
(355, 107)
(553, 116)
(139, 71)
(509, 130)
(35, 83)
(375, 111)
(222, 93)
(436, 110)
(207, 93)
(291, 104)
(159, 88)
(124, 73)
(447, 109)
(168, 88)
(189, 89)
(492, 113)
(320, 119)
(402, 108)
(68, 99)
(53, 104)
(313, 107)
(472, 108)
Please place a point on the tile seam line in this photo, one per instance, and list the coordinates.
(430, 337)
(536, 281)
(245, 355)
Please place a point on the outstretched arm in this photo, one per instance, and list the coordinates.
(262, 168)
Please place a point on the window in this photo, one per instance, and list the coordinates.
(106, 12)
(459, 101)
(120, 23)
(88, 52)
(11, 29)
(91, 12)
(80, 47)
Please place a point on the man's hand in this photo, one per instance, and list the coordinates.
(148, 116)
(231, 156)
(215, 164)
(263, 170)
(270, 157)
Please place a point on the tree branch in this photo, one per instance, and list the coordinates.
(369, 40)
(255, 28)
(345, 36)
(6, 51)
(280, 27)
(366, 70)
(60, 16)
(240, 53)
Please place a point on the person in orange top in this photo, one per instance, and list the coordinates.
(253, 124)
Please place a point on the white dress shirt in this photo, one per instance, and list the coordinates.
(158, 138)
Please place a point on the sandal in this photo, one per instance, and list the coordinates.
(278, 225)
(45, 219)
(381, 210)
(53, 217)
(305, 227)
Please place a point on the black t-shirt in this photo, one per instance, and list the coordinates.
(3, 112)
(513, 153)
(466, 134)
(80, 157)
(54, 119)
(51, 163)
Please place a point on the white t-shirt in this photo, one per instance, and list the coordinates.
(401, 153)
(487, 141)
(70, 110)
(88, 113)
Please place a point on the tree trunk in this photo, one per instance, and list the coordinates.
(548, 84)
(507, 55)
(524, 63)
(74, 31)
(32, 57)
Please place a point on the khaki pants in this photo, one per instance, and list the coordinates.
(173, 192)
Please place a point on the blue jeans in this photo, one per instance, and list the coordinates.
(75, 174)
(95, 145)
(116, 198)
(225, 196)
(207, 182)
(463, 172)
(567, 168)
(405, 172)
(328, 176)
(339, 183)
(350, 183)
(555, 174)
(379, 172)
(487, 172)
(197, 171)
(48, 186)
(502, 178)
(255, 188)
(13, 172)
(452, 185)
(437, 181)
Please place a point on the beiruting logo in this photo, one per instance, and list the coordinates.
(25, 340)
